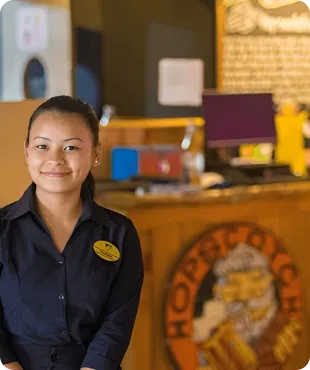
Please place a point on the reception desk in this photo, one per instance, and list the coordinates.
(171, 227)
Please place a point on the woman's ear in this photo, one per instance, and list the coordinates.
(97, 156)
(26, 150)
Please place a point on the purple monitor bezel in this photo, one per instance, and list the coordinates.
(234, 142)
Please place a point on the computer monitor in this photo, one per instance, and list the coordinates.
(236, 119)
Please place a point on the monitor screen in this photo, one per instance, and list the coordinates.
(236, 119)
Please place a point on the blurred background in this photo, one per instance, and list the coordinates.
(204, 125)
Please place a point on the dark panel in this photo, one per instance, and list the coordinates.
(89, 67)
(125, 23)
(167, 42)
(210, 4)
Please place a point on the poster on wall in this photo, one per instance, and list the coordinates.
(32, 29)
(265, 47)
(180, 82)
(234, 302)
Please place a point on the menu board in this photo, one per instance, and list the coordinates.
(264, 46)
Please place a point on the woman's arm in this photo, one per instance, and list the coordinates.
(110, 343)
(7, 356)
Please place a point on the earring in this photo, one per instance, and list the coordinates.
(96, 161)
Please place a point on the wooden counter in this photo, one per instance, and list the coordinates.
(169, 225)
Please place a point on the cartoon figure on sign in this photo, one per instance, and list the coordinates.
(244, 307)
(239, 307)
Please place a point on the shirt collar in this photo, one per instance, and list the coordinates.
(27, 203)
(91, 210)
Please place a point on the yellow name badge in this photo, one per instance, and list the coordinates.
(107, 251)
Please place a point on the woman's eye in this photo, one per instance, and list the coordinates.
(70, 148)
(42, 146)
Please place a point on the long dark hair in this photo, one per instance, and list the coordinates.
(67, 104)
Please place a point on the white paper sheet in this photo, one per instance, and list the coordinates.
(180, 82)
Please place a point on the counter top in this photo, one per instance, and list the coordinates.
(126, 200)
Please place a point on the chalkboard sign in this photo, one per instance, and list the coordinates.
(264, 46)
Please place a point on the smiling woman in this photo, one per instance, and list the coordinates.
(66, 303)
(62, 145)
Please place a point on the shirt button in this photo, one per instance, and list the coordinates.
(61, 262)
(54, 357)
(61, 297)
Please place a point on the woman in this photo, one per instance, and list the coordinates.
(71, 271)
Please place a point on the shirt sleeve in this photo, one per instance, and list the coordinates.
(108, 348)
(6, 353)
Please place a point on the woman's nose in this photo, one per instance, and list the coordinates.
(56, 157)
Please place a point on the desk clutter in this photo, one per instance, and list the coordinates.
(241, 139)
(146, 161)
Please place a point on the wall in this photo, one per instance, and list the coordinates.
(60, 3)
(13, 131)
(87, 14)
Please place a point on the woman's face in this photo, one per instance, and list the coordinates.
(60, 152)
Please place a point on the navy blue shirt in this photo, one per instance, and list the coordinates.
(66, 310)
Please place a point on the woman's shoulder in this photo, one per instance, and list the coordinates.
(4, 216)
(111, 216)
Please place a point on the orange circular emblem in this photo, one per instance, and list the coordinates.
(234, 302)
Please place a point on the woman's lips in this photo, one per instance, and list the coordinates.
(56, 175)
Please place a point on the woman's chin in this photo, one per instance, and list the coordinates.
(57, 186)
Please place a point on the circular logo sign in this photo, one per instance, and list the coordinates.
(234, 302)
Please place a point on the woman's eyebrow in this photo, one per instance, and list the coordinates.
(69, 139)
(74, 138)
(41, 137)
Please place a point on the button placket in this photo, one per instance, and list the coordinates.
(62, 298)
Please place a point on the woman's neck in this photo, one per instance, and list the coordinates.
(60, 207)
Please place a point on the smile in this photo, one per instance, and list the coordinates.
(56, 175)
